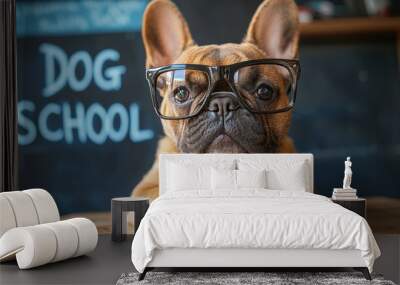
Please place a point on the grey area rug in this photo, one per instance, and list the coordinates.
(232, 278)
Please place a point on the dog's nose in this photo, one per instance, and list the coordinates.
(223, 103)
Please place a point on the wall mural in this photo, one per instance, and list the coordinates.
(88, 131)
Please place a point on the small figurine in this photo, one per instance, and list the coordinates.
(348, 173)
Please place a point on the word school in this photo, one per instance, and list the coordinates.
(94, 124)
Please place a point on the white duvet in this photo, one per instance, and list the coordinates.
(250, 218)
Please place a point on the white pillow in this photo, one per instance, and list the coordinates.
(223, 179)
(226, 179)
(188, 175)
(281, 174)
(181, 177)
(293, 179)
(251, 178)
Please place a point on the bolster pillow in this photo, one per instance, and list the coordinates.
(26, 208)
(40, 244)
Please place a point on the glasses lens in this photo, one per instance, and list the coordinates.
(181, 92)
(266, 87)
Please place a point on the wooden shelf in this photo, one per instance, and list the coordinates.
(351, 27)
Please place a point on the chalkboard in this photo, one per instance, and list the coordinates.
(87, 131)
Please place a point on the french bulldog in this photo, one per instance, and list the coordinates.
(273, 33)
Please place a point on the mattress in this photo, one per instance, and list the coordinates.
(251, 219)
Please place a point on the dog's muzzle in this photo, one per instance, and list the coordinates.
(223, 126)
(223, 103)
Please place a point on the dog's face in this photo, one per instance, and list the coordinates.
(223, 125)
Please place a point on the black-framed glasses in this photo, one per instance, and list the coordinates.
(263, 86)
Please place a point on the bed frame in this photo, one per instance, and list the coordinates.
(246, 259)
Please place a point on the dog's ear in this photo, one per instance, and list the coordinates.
(275, 28)
(165, 33)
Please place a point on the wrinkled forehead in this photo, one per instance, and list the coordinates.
(215, 55)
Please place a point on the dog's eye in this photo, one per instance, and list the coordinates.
(181, 94)
(264, 92)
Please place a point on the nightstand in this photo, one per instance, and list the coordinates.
(120, 207)
(357, 205)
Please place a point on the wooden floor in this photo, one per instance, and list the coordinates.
(383, 215)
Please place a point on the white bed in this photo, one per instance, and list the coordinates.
(248, 227)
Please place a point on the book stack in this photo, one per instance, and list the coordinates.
(344, 194)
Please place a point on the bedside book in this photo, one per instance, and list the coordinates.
(344, 194)
(344, 191)
(335, 197)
